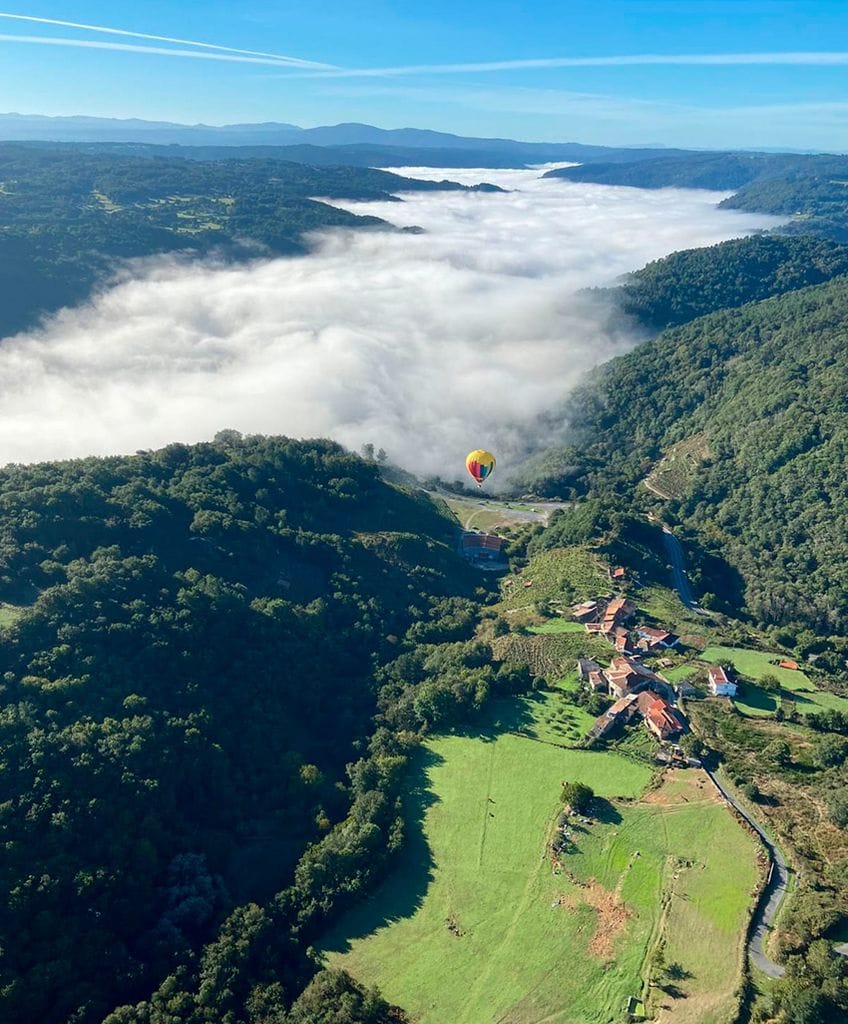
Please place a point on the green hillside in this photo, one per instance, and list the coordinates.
(808, 188)
(209, 688)
(765, 388)
(692, 283)
(475, 927)
(67, 216)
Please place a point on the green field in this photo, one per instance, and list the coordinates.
(664, 606)
(550, 716)
(9, 614)
(491, 514)
(475, 925)
(559, 626)
(795, 685)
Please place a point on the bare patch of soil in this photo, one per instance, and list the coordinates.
(612, 912)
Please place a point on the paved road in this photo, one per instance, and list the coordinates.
(771, 898)
(678, 569)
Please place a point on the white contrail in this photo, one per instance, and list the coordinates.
(832, 59)
(167, 51)
(295, 61)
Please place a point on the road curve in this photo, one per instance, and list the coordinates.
(770, 898)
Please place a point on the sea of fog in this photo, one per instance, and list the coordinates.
(425, 344)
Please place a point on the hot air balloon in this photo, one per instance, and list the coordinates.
(480, 464)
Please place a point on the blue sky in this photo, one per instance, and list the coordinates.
(741, 73)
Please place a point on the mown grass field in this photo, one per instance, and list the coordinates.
(475, 927)
(492, 515)
(753, 700)
(558, 626)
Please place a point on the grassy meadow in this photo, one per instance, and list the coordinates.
(795, 684)
(476, 925)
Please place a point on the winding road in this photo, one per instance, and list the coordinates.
(770, 898)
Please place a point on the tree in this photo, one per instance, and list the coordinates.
(577, 796)
(770, 682)
(830, 751)
(837, 808)
(692, 745)
(777, 753)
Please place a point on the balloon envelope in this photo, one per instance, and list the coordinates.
(480, 464)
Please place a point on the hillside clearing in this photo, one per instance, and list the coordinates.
(561, 575)
(795, 685)
(474, 926)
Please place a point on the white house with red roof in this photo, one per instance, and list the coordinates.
(720, 683)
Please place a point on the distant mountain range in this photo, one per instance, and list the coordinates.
(358, 142)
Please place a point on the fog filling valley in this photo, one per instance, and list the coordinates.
(427, 345)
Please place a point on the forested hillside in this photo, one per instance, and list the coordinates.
(817, 204)
(765, 387)
(67, 217)
(692, 283)
(185, 677)
(810, 190)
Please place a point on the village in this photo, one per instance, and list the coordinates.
(640, 692)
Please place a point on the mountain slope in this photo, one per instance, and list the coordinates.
(198, 662)
(692, 283)
(766, 388)
(808, 188)
(67, 217)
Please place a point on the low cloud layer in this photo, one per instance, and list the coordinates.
(425, 344)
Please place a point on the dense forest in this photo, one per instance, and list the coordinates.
(688, 284)
(67, 216)
(765, 389)
(809, 189)
(209, 689)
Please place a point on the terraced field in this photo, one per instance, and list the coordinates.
(561, 574)
(674, 473)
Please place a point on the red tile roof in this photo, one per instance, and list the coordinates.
(717, 676)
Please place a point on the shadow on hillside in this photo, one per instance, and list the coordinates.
(504, 715)
(605, 811)
(403, 891)
(758, 698)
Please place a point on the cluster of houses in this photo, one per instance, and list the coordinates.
(610, 618)
(639, 692)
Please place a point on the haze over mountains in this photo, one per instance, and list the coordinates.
(34, 127)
